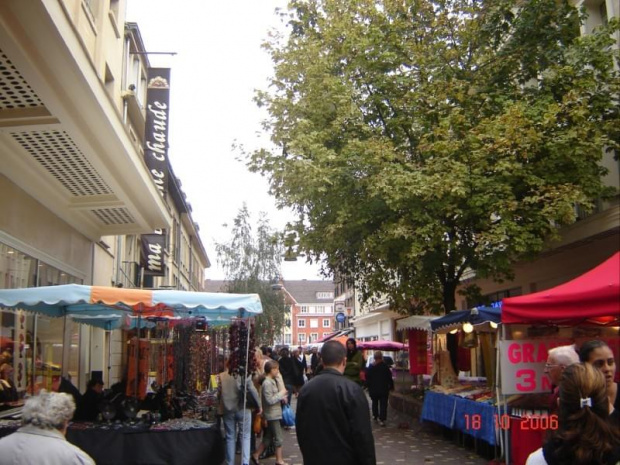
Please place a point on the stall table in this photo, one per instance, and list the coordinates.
(476, 419)
(140, 444)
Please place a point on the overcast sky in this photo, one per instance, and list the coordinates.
(218, 64)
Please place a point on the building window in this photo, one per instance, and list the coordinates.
(287, 339)
(314, 323)
(325, 295)
(302, 338)
(304, 309)
(494, 299)
(327, 323)
(301, 323)
(602, 11)
(313, 337)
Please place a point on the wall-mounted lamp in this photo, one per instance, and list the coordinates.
(493, 325)
(454, 331)
(468, 327)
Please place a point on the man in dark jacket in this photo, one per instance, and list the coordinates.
(332, 419)
(287, 370)
(379, 382)
(88, 408)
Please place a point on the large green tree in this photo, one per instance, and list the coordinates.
(251, 261)
(421, 139)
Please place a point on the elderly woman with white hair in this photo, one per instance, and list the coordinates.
(41, 439)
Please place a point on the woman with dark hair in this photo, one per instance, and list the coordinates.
(584, 437)
(598, 354)
(355, 362)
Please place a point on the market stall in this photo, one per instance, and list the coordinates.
(465, 403)
(587, 307)
(419, 337)
(169, 443)
(134, 310)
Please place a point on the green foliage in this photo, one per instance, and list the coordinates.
(251, 261)
(419, 139)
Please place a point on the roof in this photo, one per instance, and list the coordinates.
(305, 291)
(215, 285)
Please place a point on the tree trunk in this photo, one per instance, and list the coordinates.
(449, 298)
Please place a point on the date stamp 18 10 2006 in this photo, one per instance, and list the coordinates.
(527, 423)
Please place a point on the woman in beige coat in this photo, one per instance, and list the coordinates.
(272, 396)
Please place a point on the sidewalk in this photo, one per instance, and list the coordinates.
(403, 440)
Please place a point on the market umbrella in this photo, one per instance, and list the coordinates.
(381, 345)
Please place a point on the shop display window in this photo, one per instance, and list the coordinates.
(33, 347)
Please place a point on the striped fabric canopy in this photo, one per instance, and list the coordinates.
(112, 307)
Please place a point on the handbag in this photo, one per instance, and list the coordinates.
(288, 417)
(257, 426)
(250, 403)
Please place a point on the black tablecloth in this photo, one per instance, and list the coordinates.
(129, 446)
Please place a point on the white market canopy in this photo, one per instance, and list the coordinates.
(421, 322)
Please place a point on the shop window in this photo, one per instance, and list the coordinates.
(33, 346)
(16, 269)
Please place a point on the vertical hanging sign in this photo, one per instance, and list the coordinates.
(156, 133)
(152, 253)
(156, 158)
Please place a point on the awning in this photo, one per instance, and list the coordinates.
(476, 316)
(593, 297)
(422, 322)
(112, 307)
(343, 332)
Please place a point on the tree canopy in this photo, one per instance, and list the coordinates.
(420, 139)
(251, 261)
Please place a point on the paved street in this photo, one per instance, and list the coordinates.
(413, 445)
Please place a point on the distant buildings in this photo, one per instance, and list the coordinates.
(310, 309)
(312, 314)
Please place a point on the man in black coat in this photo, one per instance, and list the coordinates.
(379, 382)
(314, 360)
(332, 418)
(287, 370)
(88, 408)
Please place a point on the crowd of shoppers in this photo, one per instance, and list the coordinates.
(333, 419)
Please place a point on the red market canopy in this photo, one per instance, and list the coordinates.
(592, 297)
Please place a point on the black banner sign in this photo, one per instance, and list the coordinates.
(152, 254)
(156, 134)
(156, 158)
